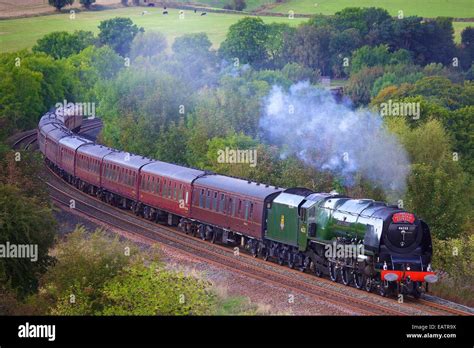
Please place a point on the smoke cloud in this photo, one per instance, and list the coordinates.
(308, 122)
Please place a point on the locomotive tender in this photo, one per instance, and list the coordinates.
(294, 226)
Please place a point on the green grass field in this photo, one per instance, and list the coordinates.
(423, 8)
(459, 27)
(22, 33)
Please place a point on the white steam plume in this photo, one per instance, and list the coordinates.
(308, 122)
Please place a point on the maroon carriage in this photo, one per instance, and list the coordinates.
(53, 133)
(167, 187)
(120, 177)
(233, 204)
(89, 163)
(67, 155)
(43, 130)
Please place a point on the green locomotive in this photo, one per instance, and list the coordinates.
(359, 241)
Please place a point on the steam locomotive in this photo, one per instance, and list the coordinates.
(356, 241)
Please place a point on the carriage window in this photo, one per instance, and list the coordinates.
(229, 207)
(240, 208)
(180, 196)
(163, 192)
(214, 203)
(208, 200)
(170, 189)
(246, 210)
(201, 199)
(221, 203)
(251, 211)
(175, 192)
(157, 191)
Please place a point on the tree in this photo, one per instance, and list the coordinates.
(58, 81)
(59, 4)
(296, 72)
(461, 127)
(395, 75)
(171, 144)
(87, 3)
(148, 290)
(436, 89)
(278, 33)
(467, 44)
(93, 65)
(367, 56)
(246, 41)
(360, 84)
(239, 5)
(24, 222)
(310, 47)
(31, 83)
(193, 60)
(429, 41)
(85, 263)
(61, 44)
(21, 97)
(364, 20)
(438, 189)
(342, 44)
(138, 105)
(118, 33)
(236, 5)
(148, 44)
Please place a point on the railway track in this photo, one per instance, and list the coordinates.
(319, 289)
(25, 140)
